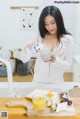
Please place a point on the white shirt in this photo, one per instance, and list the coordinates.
(47, 72)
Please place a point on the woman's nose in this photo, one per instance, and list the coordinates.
(50, 27)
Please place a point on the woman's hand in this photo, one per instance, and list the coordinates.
(29, 46)
(52, 59)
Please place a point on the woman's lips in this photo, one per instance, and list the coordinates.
(51, 30)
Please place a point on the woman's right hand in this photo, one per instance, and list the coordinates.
(29, 46)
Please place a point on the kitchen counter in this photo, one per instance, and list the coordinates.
(20, 112)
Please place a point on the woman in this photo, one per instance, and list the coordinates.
(58, 41)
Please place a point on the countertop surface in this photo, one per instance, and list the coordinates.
(21, 112)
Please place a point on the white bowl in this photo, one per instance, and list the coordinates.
(45, 55)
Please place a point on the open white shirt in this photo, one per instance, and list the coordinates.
(47, 72)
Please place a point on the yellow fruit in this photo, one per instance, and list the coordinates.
(39, 103)
(50, 95)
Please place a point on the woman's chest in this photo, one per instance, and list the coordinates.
(50, 45)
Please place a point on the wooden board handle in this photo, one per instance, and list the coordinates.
(16, 103)
(24, 103)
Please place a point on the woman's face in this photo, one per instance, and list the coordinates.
(50, 25)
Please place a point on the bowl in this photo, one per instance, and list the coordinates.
(45, 55)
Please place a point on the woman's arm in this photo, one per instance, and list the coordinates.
(27, 52)
(66, 63)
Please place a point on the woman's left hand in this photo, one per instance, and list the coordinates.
(52, 59)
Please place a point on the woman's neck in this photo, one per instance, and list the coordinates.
(51, 38)
(51, 42)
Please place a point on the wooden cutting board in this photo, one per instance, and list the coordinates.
(47, 112)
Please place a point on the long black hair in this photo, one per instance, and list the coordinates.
(55, 12)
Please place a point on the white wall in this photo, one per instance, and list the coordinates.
(77, 31)
(11, 36)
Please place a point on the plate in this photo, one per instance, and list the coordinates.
(39, 92)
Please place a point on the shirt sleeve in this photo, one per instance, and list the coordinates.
(66, 63)
(26, 55)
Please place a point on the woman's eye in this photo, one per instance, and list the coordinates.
(53, 23)
(46, 24)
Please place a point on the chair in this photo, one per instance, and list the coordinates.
(75, 92)
(9, 76)
(32, 64)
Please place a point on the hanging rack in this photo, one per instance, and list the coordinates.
(19, 7)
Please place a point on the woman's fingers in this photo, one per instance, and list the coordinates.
(52, 59)
(29, 46)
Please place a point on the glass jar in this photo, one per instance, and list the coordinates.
(39, 102)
